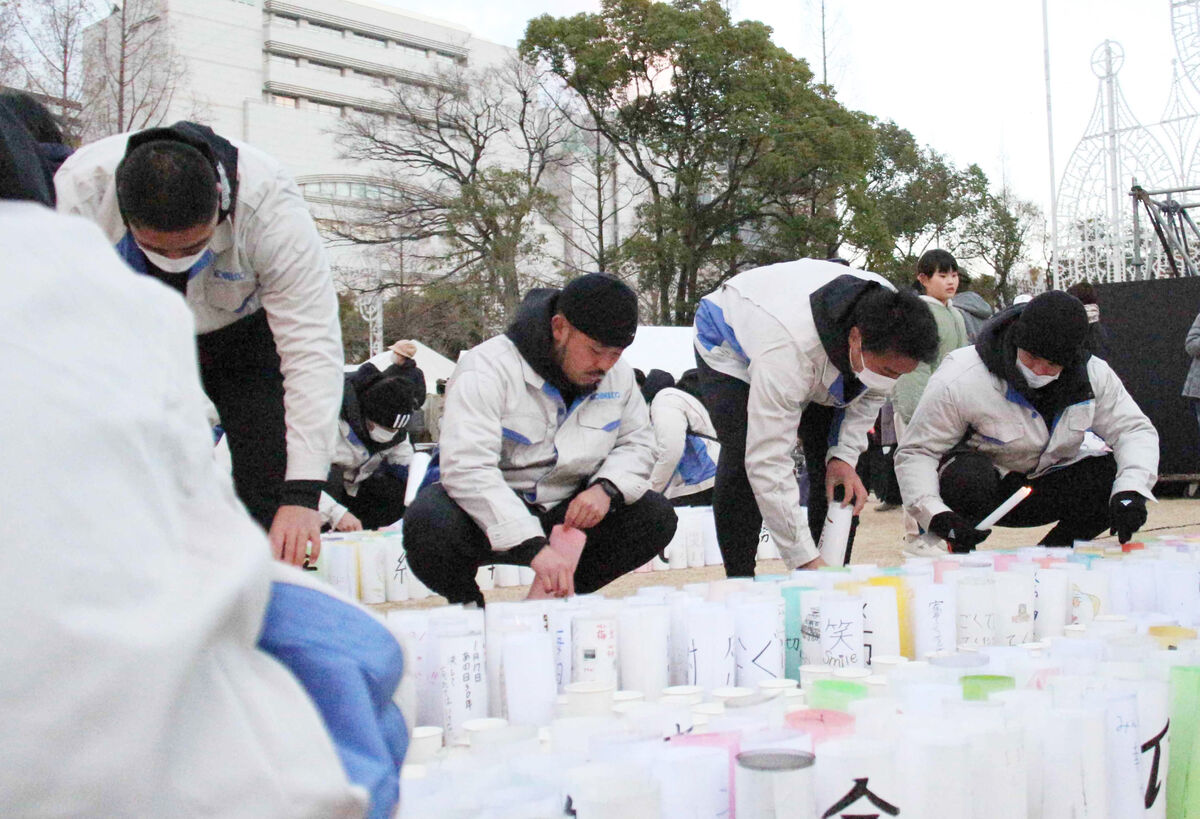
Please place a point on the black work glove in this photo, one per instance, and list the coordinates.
(957, 531)
(1126, 514)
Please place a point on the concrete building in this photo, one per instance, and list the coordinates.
(279, 74)
(283, 76)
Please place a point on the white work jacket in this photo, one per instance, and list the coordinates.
(965, 402)
(507, 437)
(687, 461)
(759, 327)
(357, 464)
(267, 255)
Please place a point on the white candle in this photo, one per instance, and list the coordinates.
(1004, 508)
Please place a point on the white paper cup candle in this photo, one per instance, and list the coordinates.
(774, 783)
(758, 649)
(836, 534)
(885, 664)
(340, 563)
(732, 694)
(645, 646)
(592, 698)
(776, 688)
(473, 727)
(682, 695)
(594, 650)
(1053, 602)
(507, 576)
(372, 570)
(809, 674)
(424, 743)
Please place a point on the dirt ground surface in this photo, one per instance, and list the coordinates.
(879, 540)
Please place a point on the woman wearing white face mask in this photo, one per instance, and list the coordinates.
(1014, 411)
(370, 462)
(808, 348)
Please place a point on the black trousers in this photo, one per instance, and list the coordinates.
(379, 500)
(735, 509)
(240, 371)
(704, 498)
(1075, 496)
(446, 547)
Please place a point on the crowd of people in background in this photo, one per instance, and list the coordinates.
(547, 449)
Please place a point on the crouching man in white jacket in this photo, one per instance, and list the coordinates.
(544, 425)
(1013, 411)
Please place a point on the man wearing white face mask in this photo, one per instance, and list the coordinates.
(811, 348)
(225, 225)
(1013, 411)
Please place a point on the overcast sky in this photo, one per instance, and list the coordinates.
(965, 76)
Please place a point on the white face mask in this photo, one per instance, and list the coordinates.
(182, 265)
(1034, 380)
(381, 435)
(871, 379)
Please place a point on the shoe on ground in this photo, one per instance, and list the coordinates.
(926, 545)
(886, 507)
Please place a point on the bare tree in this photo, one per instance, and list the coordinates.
(11, 59)
(1002, 235)
(50, 36)
(592, 196)
(132, 71)
(463, 159)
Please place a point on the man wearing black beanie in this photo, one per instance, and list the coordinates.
(1028, 405)
(544, 425)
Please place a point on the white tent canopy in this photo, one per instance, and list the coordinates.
(432, 363)
(661, 348)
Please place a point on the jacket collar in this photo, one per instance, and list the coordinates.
(531, 334)
(999, 354)
(833, 315)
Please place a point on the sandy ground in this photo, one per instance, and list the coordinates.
(878, 541)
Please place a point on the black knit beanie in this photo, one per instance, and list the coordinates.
(387, 401)
(602, 307)
(1053, 326)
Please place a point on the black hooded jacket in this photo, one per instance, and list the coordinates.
(530, 331)
(364, 377)
(656, 382)
(833, 313)
(999, 354)
(21, 172)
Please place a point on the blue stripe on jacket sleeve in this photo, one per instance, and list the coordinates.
(713, 331)
(350, 665)
(611, 425)
(513, 435)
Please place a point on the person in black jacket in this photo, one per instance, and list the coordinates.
(369, 470)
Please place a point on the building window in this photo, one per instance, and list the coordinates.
(279, 59)
(411, 51)
(284, 21)
(323, 107)
(283, 101)
(325, 68)
(367, 39)
(324, 29)
(445, 59)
